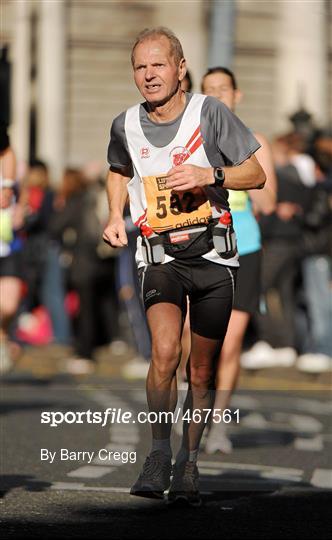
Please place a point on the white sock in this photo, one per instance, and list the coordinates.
(193, 455)
(164, 445)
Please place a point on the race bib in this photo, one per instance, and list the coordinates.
(237, 200)
(167, 209)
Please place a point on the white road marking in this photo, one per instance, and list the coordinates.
(254, 420)
(301, 404)
(282, 421)
(89, 471)
(110, 461)
(123, 429)
(246, 466)
(313, 406)
(210, 472)
(125, 437)
(322, 478)
(246, 476)
(301, 422)
(247, 402)
(256, 482)
(274, 475)
(107, 400)
(119, 447)
(66, 485)
(139, 395)
(81, 487)
(314, 444)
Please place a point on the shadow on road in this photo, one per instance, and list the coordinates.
(12, 481)
(303, 514)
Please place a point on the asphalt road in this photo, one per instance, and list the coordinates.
(276, 484)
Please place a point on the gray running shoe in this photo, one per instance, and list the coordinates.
(155, 476)
(184, 486)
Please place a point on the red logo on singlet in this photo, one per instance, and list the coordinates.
(145, 152)
(179, 155)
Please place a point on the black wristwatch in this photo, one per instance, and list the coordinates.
(219, 177)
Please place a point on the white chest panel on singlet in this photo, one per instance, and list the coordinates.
(151, 202)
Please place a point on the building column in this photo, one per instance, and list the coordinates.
(301, 75)
(51, 73)
(222, 28)
(21, 97)
(192, 35)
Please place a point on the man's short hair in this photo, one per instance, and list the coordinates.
(221, 69)
(148, 33)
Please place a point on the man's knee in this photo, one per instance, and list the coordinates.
(166, 356)
(202, 376)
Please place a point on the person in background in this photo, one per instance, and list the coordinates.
(43, 318)
(130, 294)
(220, 82)
(91, 268)
(283, 251)
(316, 354)
(11, 220)
(37, 197)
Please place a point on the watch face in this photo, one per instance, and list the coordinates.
(219, 176)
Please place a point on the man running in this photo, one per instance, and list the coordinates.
(176, 154)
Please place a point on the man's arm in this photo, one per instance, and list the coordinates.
(265, 200)
(247, 175)
(115, 231)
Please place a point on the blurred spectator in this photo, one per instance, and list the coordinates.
(44, 317)
(129, 290)
(282, 236)
(78, 224)
(317, 267)
(322, 153)
(37, 198)
(11, 219)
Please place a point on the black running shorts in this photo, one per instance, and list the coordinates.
(210, 288)
(248, 283)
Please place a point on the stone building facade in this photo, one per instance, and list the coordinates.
(71, 65)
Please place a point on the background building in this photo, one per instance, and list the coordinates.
(71, 71)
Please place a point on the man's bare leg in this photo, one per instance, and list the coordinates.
(201, 394)
(165, 322)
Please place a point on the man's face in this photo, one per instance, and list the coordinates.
(219, 85)
(155, 72)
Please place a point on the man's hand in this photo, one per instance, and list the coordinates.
(115, 233)
(186, 177)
